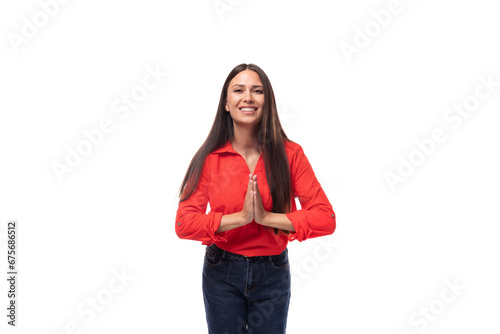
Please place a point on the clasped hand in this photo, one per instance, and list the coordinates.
(253, 209)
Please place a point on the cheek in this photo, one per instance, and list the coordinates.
(232, 99)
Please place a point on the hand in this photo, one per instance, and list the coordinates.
(259, 213)
(247, 212)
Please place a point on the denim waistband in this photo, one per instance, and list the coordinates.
(225, 253)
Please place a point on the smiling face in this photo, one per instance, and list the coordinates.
(245, 98)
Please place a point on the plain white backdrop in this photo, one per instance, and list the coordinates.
(357, 83)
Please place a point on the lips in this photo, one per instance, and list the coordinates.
(248, 109)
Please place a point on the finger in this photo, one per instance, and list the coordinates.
(256, 187)
(250, 185)
(253, 203)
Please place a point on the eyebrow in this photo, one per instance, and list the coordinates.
(244, 85)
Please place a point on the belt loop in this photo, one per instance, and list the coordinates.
(223, 253)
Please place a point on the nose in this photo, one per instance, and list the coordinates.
(248, 96)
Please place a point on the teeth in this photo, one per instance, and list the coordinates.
(248, 109)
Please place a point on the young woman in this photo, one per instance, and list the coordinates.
(250, 173)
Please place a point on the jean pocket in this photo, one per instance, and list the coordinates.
(212, 257)
(280, 261)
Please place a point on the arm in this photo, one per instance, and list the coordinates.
(278, 220)
(228, 222)
(316, 217)
(192, 222)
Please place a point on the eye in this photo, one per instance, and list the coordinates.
(259, 91)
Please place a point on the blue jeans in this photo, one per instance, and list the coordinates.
(245, 294)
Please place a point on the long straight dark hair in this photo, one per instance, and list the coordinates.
(271, 139)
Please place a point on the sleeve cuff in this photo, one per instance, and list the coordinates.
(213, 225)
(299, 222)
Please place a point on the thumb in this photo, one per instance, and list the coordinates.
(250, 184)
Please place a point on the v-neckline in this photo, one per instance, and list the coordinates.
(258, 159)
(248, 167)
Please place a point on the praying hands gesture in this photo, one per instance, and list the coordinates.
(253, 209)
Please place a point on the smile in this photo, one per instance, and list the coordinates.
(248, 110)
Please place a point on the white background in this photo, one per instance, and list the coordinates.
(116, 209)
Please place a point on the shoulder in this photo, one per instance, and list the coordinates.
(292, 148)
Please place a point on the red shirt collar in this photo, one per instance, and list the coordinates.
(229, 148)
(226, 148)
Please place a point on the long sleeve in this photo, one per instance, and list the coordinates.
(192, 221)
(316, 217)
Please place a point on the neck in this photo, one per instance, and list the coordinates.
(245, 140)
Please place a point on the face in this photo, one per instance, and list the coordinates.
(245, 98)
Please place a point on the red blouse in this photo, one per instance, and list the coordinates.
(223, 183)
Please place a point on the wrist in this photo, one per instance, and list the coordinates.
(241, 219)
(267, 218)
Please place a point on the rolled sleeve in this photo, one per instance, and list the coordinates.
(316, 217)
(192, 221)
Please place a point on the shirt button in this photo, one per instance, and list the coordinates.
(333, 215)
(178, 223)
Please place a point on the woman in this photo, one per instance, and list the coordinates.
(250, 173)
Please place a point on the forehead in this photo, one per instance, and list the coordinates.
(246, 77)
